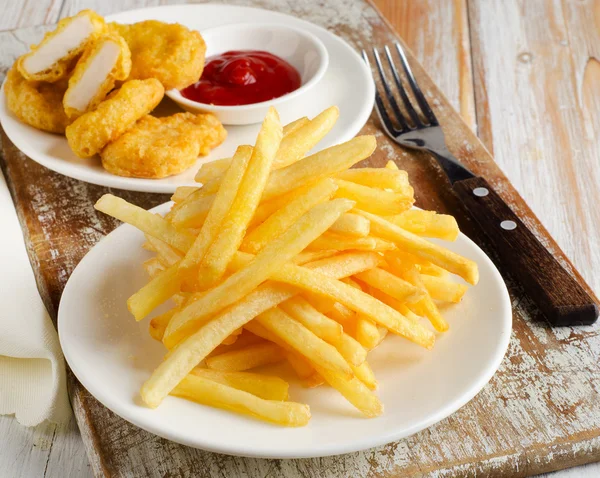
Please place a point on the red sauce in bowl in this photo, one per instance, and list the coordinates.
(243, 77)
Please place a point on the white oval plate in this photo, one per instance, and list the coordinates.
(112, 355)
(347, 83)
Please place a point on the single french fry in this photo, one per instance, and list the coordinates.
(444, 290)
(394, 304)
(465, 268)
(425, 306)
(321, 325)
(342, 314)
(234, 224)
(351, 225)
(153, 267)
(315, 380)
(391, 165)
(166, 254)
(355, 391)
(145, 221)
(427, 224)
(311, 256)
(365, 374)
(246, 358)
(301, 366)
(147, 246)
(159, 323)
(263, 386)
(158, 290)
(338, 265)
(304, 341)
(191, 351)
(192, 211)
(377, 201)
(182, 192)
(354, 353)
(294, 125)
(352, 282)
(280, 221)
(367, 333)
(245, 339)
(270, 259)
(214, 394)
(220, 207)
(260, 330)
(319, 165)
(427, 268)
(378, 178)
(212, 170)
(406, 259)
(333, 241)
(391, 285)
(232, 339)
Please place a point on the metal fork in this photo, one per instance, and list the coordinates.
(558, 295)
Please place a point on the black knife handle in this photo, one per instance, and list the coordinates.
(559, 296)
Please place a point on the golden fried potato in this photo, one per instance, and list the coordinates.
(37, 103)
(106, 60)
(168, 52)
(89, 133)
(160, 147)
(52, 58)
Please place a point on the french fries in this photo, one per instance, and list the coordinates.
(281, 257)
(246, 358)
(233, 226)
(208, 392)
(263, 386)
(427, 224)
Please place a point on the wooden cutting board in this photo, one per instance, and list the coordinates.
(541, 411)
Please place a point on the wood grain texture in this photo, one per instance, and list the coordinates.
(537, 83)
(540, 412)
(46, 450)
(28, 13)
(437, 32)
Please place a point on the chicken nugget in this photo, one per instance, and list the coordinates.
(52, 58)
(37, 103)
(106, 60)
(160, 147)
(89, 133)
(171, 53)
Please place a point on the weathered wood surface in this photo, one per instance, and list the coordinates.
(541, 411)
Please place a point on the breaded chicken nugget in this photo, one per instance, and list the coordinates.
(89, 133)
(168, 52)
(39, 104)
(160, 147)
(106, 60)
(52, 58)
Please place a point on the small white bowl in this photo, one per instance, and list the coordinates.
(301, 49)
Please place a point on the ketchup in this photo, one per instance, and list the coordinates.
(243, 77)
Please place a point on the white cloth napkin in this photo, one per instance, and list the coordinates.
(33, 383)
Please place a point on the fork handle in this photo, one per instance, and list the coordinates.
(558, 295)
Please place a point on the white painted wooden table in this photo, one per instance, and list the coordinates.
(524, 73)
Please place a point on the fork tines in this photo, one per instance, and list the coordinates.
(415, 117)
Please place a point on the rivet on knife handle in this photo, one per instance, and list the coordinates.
(558, 295)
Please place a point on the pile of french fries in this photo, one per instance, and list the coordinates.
(280, 256)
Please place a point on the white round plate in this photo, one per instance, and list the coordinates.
(112, 355)
(347, 84)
